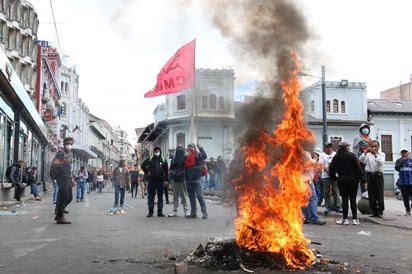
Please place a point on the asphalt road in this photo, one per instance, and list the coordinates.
(96, 242)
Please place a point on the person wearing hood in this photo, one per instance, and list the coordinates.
(346, 170)
(193, 168)
(177, 174)
(157, 171)
(361, 143)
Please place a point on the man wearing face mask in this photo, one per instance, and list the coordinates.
(157, 171)
(65, 181)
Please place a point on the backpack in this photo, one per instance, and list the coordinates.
(163, 159)
(8, 171)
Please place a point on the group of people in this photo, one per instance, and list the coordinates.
(213, 173)
(21, 176)
(185, 171)
(340, 174)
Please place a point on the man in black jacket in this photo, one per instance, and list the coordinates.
(157, 171)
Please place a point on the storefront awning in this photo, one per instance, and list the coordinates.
(83, 152)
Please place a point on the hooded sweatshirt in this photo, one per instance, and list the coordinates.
(156, 166)
(361, 142)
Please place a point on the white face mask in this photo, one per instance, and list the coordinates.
(157, 154)
(68, 147)
(365, 131)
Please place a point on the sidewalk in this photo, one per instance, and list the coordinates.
(393, 215)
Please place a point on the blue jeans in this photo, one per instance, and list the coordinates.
(34, 189)
(194, 189)
(119, 191)
(81, 187)
(311, 210)
(55, 190)
(100, 186)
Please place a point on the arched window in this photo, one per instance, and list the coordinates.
(212, 101)
(221, 103)
(335, 106)
(312, 105)
(204, 102)
(328, 106)
(342, 107)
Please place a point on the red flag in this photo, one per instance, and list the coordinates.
(177, 74)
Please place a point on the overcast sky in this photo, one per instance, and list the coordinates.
(119, 46)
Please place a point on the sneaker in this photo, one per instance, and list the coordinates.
(355, 222)
(150, 214)
(191, 216)
(160, 214)
(37, 198)
(78, 200)
(205, 216)
(342, 222)
(408, 213)
(62, 220)
(319, 223)
(173, 214)
(327, 210)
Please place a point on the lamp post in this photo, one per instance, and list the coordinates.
(324, 121)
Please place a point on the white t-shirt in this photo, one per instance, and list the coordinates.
(325, 160)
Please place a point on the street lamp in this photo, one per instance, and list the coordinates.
(324, 120)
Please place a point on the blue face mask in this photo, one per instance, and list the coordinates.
(365, 131)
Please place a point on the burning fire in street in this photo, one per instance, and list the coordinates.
(272, 188)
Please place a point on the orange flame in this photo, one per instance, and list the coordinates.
(274, 189)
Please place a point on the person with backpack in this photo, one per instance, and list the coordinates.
(31, 173)
(17, 177)
(177, 174)
(157, 171)
(193, 171)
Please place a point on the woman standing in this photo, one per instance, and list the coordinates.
(345, 168)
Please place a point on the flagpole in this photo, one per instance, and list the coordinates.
(193, 116)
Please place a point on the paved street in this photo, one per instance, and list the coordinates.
(131, 243)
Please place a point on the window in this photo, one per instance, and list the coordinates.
(212, 101)
(312, 105)
(63, 109)
(204, 102)
(335, 106)
(181, 102)
(221, 103)
(61, 85)
(180, 139)
(328, 106)
(386, 146)
(342, 107)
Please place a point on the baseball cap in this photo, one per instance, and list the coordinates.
(404, 149)
(328, 144)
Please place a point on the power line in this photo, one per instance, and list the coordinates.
(55, 26)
